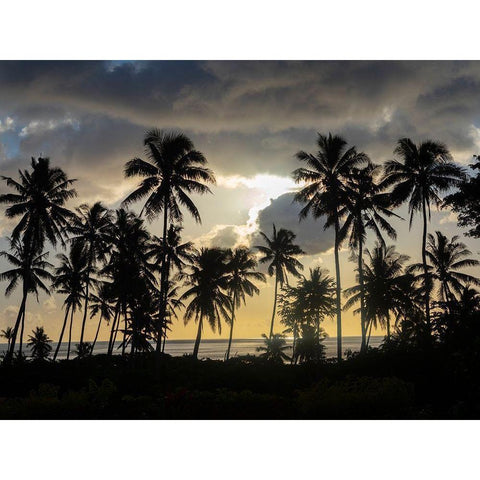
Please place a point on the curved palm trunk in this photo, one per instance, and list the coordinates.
(164, 276)
(96, 334)
(198, 339)
(362, 296)
(338, 291)
(85, 307)
(22, 328)
(231, 327)
(70, 335)
(124, 343)
(17, 325)
(425, 267)
(274, 304)
(369, 332)
(111, 340)
(61, 333)
(294, 345)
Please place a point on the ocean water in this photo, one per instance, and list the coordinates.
(215, 348)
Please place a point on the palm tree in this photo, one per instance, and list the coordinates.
(366, 207)
(274, 348)
(324, 194)
(7, 334)
(39, 200)
(101, 305)
(280, 253)
(71, 277)
(127, 269)
(31, 269)
(384, 279)
(174, 171)
(423, 172)
(40, 344)
(307, 304)
(177, 255)
(91, 228)
(207, 287)
(241, 264)
(446, 258)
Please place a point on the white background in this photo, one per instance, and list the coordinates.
(239, 30)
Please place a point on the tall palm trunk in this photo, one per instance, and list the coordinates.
(338, 291)
(274, 302)
(362, 295)
(70, 335)
(111, 340)
(164, 275)
(85, 307)
(61, 333)
(124, 342)
(388, 328)
(17, 325)
(198, 339)
(425, 267)
(96, 334)
(231, 326)
(22, 328)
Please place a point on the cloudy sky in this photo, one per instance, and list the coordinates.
(249, 119)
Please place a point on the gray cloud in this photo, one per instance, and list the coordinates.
(283, 212)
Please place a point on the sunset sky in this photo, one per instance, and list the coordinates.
(249, 119)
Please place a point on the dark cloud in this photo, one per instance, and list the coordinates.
(283, 212)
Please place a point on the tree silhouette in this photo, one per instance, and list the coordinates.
(71, 278)
(128, 268)
(241, 264)
(306, 305)
(101, 304)
(7, 334)
(280, 252)
(29, 269)
(466, 201)
(324, 194)
(446, 258)
(39, 344)
(206, 283)
(91, 228)
(174, 171)
(274, 348)
(39, 200)
(383, 282)
(366, 206)
(177, 255)
(420, 176)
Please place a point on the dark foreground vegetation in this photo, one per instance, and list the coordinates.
(393, 383)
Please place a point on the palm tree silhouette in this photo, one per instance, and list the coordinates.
(280, 253)
(174, 171)
(446, 258)
(306, 304)
(39, 344)
(7, 334)
(207, 287)
(91, 228)
(274, 348)
(128, 268)
(31, 270)
(324, 194)
(384, 278)
(101, 304)
(420, 176)
(241, 264)
(366, 206)
(39, 200)
(176, 254)
(71, 278)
